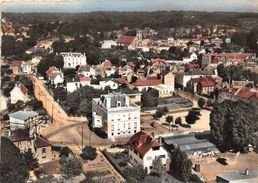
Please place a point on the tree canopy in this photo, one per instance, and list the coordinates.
(89, 153)
(70, 166)
(13, 166)
(181, 166)
(233, 124)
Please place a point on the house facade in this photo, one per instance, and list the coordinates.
(38, 144)
(72, 84)
(144, 148)
(19, 92)
(55, 76)
(115, 115)
(72, 59)
(22, 119)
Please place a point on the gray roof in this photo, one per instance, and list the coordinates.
(23, 115)
(239, 176)
(114, 98)
(129, 91)
(188, 143)
(200, 72)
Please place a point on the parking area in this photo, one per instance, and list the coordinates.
(236, 162)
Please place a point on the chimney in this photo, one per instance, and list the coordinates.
(246, 172)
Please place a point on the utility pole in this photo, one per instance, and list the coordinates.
(52, 112)
(82, 136)
(90, 138)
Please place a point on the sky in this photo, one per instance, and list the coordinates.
(129, 5)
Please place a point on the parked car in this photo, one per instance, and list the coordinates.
(222, 160)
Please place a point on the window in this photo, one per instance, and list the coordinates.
(118, 104)
(43, 150)
(44, 157)
(150, 167)
(149, 158)
(162, 156)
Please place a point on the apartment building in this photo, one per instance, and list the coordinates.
(72, 60)
(116, 115)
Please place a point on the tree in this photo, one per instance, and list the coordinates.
(60, 93)
(13, 166)
(192, 117)
(233, 124)
(201, 102)
(135, 174)
(157, 166)
(31, 161)
(169, 120)
(181, 166)
(178, 121)
(89, 153)
(70, 166)
(35, 104)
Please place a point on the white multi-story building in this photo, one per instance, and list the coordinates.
(71, 60)
(144, 148)
(115, 114)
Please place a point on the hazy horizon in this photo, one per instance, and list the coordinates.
(73, 6)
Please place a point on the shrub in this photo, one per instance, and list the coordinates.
(89, 153)
(201, 103)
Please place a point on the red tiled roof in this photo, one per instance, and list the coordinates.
(23, 89)
(107, 64)
(52, 72)
(205, 81)
(193, 66)
(126, 40)
(41, 141)
(158, 61)
(131, 64)
(121, 80)
(237, 56)
(147, 82)
(244, 93)
(16, 63)
(142, 143)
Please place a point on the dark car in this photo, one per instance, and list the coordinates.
(222, 161)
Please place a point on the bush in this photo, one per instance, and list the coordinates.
(201, 103)
(70, 166)
(122, 164)
(65, 151)
(89, 153)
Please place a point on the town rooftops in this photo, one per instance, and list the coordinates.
(206, 81)
(234, 176)
(23, 115)
(41, 141)
(142, 142)
(237, 56)
(16, 63)
(126, 40)
(52, 72)
(244, 92)
(147, 82)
